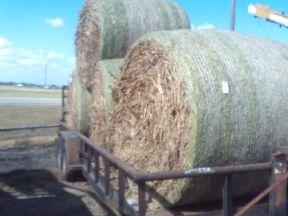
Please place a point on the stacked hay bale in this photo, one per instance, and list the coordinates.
(78, 106)
(104, 79)
(188, 99)
(88, 109)
(107, 28)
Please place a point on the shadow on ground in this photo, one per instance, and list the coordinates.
(38, 192)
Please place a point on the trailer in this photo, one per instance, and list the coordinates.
(77, 154)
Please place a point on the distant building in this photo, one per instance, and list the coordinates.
(53, 87)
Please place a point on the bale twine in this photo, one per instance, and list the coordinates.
(104, 79)
(78, 106)
(107, 29)
(206, 98)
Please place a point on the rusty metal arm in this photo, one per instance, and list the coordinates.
(261, 196)
(266, 13)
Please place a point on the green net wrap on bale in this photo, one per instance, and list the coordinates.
(104, 79)
(207, 98)
(107, 28)
(78, 106)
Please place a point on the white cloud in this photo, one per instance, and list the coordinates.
(4, 42)
(6, 56)
(11, 56)
(25, 53)
(55, 22)
(6, 51)
(55, 55)
(30, 57)
(27, 61)
(28, 64)
(203, 26)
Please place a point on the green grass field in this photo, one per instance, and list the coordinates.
(28, 115)
(29, 92)
(20, 116)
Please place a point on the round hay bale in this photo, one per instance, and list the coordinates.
(107, 29)
(104, 79)
(206, 98)
(78, 106)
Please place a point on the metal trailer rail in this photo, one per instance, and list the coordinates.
(100, 178)
(63, 102)
(28, 128)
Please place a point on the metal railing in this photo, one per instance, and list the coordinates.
(91, 153)
(28, 128)
(63, 111)
(63, 102)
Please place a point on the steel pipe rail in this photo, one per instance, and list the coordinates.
(63, 102)
(131, 172)
(28, 128)
(178, 174)
(204, 171)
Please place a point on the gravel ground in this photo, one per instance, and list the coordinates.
(30, 185)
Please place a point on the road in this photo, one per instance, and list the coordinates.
(29, 101)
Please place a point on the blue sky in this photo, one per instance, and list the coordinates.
(38, 32)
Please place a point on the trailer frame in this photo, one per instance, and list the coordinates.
(90, 155)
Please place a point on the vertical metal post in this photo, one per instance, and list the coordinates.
(89, 154)
(85, 159)
(82, 152)
(233, 15)
(141, 198)
(278, 197)
(63, 103)
(121, 190)
(96, 169)
(107, 177)
(227, 196)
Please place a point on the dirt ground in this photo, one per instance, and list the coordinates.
(30, 185)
